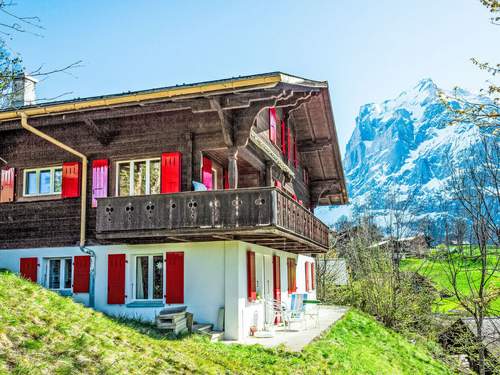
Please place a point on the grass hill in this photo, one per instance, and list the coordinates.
(42, 332)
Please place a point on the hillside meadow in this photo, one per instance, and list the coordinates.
(42, 332)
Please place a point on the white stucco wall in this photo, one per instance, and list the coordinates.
(215, 276)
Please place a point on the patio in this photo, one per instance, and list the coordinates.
(295, 339)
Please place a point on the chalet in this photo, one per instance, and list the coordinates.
(198, 195)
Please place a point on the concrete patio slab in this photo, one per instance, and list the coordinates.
(296, 338)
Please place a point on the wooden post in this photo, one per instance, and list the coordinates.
(233, 167)
(269, 173)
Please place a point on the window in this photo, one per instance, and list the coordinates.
(59, 273)
(149, 277)
(138, 177)
(42, 181)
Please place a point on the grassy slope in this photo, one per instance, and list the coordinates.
(41, 332)
(436, 271)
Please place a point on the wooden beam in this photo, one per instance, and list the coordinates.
(313, 146)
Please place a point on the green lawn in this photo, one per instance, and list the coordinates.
(437, 271)
(42, 332)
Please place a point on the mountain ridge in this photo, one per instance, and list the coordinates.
(406, 144)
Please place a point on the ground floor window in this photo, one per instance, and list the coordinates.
(59, 273)
(149, 277)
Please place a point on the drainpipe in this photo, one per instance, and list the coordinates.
(83, 208)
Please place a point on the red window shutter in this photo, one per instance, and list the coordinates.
(283, 137)
(251, 287)
(292, 277)
(71, 180)
(226, 179)
(307, 276)
(313, 277)
(277, 184)
(81, 274)
(7, 185)
(99, 180)
(206, 173)
(289, 275)
(175, 277)
(272, 124)
(295, 153)
(276, 278)
(171, 172)
(116, 279)
(289, 144)
(28, 269)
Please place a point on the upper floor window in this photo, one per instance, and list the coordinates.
(138, 177)
(42, 181)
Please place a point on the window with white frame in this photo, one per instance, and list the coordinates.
(148, 277)
(138, 177)
(42, 181)
(59, 273)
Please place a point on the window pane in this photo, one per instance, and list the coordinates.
(141, 279)
(140, 178)
(158, 277)
(45, 181)
(154, 178)
(57, 180)
(54, 273)
(67, 273)
(124, 179)
(31, 183)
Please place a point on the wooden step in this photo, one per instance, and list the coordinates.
(202, 328)
(216, 335)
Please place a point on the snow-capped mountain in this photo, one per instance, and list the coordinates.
(405, 145)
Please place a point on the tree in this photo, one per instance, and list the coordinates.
(472, 272)
(486, 113)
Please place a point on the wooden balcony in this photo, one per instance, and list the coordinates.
(264, 216)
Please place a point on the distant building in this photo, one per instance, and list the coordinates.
(416, 246)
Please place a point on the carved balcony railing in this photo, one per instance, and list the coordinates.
(264, 216)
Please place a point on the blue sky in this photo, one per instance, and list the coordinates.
(368, 50)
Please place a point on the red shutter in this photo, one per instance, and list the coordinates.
(81, 274)
(276, 278)
(313, 277)
(116, 279)
(171, 172)
(252, 293)
(71, 180)
(272, 124)
(99, 180)
(7, 185)
(175, 277)
(295, 153)
(307, 276)
(289, 144)
(277, 184)
(292, 277)
(283, 137)
(289, 275)
(206, 173)
(28, 269)
(226, 179)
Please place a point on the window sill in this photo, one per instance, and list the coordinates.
(40, 198)
(64, 293)
(145, 304)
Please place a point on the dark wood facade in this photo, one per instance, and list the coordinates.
(228, 125)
